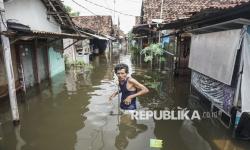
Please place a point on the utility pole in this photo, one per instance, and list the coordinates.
(114, 19)
(161, 18)
(114, 11)
(161, 8)
(8, 66)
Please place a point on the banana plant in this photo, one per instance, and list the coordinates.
(153, 51)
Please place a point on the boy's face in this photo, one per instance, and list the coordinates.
(121, 74)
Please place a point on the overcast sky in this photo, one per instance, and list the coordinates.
(132, 7)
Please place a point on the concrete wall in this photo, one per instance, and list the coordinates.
(27, 53)
(70, 52)
(85, 46)
(56, 60)
(41, 61)
(32, 13)
(72, 55)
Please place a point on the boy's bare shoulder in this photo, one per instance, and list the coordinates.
(132, 80)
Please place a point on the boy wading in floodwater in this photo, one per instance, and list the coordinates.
(129, 87)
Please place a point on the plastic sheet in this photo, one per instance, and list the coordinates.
(214, 54)
(215, 91)
(245, 85)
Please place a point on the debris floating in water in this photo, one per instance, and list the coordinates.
(155, 143)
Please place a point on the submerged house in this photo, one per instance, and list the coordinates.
(81, 50)
(153, 26)
(36, 40)
(219, 62)
(100, 28)
(218, 54)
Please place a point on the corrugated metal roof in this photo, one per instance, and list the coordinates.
(94, 35)
(110, 37)
(62, 35)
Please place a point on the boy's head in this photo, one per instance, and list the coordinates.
(121, 70)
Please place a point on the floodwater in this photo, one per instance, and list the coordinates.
(72, 112)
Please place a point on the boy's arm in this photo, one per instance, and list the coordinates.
(113, 95)
(143, 89)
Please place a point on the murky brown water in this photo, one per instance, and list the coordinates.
(72, 112)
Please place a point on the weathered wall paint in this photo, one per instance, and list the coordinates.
(41, 62)
(56, 60)
(27, 53)
(36, 16)
(70, 52)
(58, 82)
(76, 52)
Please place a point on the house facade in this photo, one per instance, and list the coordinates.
(38, 28)
(99, 29)
(219, 61)
(153, 26)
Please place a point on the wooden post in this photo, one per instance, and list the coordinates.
(141, 45)
(8, 66)
(47, 66)
(35, 62)
(162, 1)
(110, 51)
(178, 54)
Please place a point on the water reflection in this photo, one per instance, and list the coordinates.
(102, 130)
(128, 129)
(70, 81)
(20, 141)
(72, 112)
(77, 78)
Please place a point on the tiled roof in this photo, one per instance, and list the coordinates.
(180, 9)
(99, 24)
(118, 31)
(138, 20)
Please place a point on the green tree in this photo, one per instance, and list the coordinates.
(153, 51)
(71, 12)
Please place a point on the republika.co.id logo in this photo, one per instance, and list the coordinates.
(182, 114)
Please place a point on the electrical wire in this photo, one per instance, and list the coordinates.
(134, 1)
(109, 9)
(84, 7)
(96, 16)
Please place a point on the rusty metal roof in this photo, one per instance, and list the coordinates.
(60, 35)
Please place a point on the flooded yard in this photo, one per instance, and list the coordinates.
(72, 111)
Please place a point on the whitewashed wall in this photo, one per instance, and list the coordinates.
(32, 13)
(69, 52)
